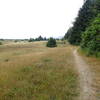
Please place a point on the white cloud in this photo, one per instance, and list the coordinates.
(31, 18)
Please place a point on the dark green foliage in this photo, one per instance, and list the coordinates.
(51, 43)
(16, 41)
(86, 14)
(1, 39)
(0, 43)
(67, 35)
(91, 37)
(45, 39)
(31, 40)
(86, 28)
(97, 6)
(40, 38)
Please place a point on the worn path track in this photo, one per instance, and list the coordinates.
(86, 90)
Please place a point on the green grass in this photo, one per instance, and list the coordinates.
(87, 53)
(37, 73)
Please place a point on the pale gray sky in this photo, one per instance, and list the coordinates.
(31, 18)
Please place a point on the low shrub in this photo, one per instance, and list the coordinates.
(0, 43)
(51, 43)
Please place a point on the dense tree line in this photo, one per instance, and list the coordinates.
(86, 14)
(40, 38)
(91, 38)
(86, 28)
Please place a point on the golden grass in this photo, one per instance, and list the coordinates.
(31, 71)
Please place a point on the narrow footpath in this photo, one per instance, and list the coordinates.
(85, 75)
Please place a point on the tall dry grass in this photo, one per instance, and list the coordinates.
(30, 71)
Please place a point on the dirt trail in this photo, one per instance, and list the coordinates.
(86, 90)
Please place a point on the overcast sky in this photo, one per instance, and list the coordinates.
(31, 18)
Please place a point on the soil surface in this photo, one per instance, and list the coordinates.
(85, 75)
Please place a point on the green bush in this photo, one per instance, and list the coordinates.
(91, 37)
(0, 43)
(31, 40)
(16, 41)
(51, 43)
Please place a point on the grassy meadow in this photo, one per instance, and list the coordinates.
(31, 71)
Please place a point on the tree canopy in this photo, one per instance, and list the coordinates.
(86, 28)
(91, 37)
(51, 43)
(87, 13)
(40, 38)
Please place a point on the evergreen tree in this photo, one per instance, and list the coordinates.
(67, 35)
(51, 43)
(97, 6)
(40, 38)
(91, 37)
(31, 40)
(86, 14)
(45, 39)
(86, 28)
